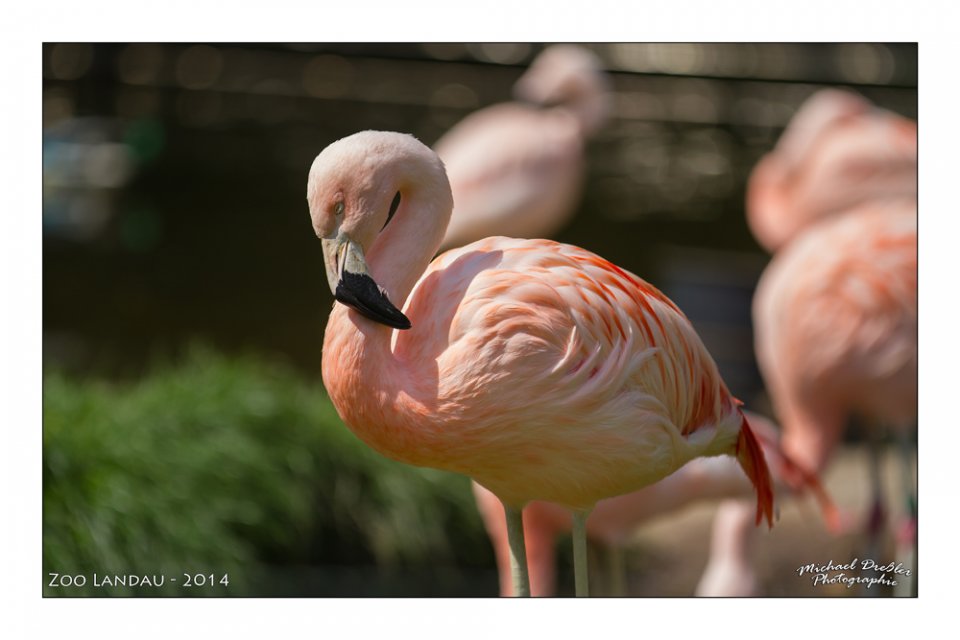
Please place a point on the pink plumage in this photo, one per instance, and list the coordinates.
(835, 318)
(838, 153)
(545, 373)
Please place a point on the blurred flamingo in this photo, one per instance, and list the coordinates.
(839, 155)
(838, 152)
(835, 320)
(730, 571)
(516, 169)
(539, 369)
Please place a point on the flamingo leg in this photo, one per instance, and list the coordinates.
(907, 534)
(730, 570)
(617, 570)
(518, 552)
(877, 516)
(580, 552)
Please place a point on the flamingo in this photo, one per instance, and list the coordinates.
(516, 168)
(835, 321)
(837, 153)
(539, 369)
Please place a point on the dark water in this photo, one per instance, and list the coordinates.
(175, 175)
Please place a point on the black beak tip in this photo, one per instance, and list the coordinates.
(360, 292)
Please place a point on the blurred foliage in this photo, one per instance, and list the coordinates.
(222, 465)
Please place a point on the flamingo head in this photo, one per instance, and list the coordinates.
(354, 189)
(568, 77)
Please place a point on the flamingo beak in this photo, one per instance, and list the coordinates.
(351, 283)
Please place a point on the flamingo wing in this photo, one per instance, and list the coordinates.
(622, 382)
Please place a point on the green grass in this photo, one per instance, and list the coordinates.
(223, 465)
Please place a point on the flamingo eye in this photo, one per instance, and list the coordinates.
(338, 208)
(393, 210)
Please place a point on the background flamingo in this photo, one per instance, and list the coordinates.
(539, 369)
(839, 158)
(838, 152)
(516, 169)
(835, 318)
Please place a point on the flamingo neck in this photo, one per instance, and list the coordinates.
(401, 253)
(368, 382)
(592, 110)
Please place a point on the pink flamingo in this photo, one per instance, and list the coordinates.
(835, 320)
(839, 156)
(538, 369)
(516, 169)
(837, 153)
